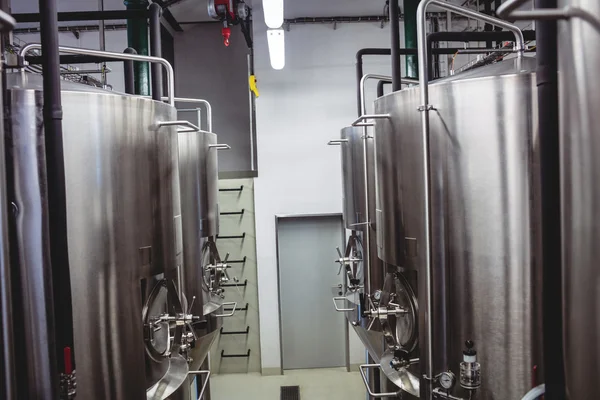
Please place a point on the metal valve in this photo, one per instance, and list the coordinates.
(377, 311)
(348, 261)
(218, 275)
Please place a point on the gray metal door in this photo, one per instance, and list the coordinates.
(313, 334)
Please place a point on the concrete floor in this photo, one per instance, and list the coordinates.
(315, 384)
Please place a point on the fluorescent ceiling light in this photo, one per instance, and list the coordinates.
(273, 10)
(276, 40)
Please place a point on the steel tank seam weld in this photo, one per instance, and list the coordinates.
(116, 56)
(424, 108)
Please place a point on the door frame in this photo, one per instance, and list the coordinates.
(281, 217)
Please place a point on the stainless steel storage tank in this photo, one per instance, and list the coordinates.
(354, 204)
(579, 59)
(124, 229)
(198, 170)
(484, 218)
(353, 178)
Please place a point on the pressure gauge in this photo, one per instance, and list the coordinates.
(447, 380)
(377, 295)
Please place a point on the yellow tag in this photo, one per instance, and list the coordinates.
(252, 83)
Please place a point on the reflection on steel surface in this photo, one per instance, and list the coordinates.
(579, 57)
(484, 196)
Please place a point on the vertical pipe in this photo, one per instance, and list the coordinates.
(5, 7)
(380, 90)
(60, 300)
(156, 51)
(359, 71)
(395, 32)
(252, 111)
(8, 388)
(487, 8)
(410, 36)
(547, 84)
(359, 75)
(137, 37)
(102, 36)
(497, 4)
(435, 58)
(129, 72)
(425, 273)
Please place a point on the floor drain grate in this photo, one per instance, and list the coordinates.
(290, 393)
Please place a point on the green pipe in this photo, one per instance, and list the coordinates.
(410, 36)
(137, 38)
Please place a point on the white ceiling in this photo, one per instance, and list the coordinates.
(196, 10)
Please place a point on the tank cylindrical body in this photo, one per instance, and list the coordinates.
(353, 178)
(358, 182)
(198, 169)
(580, 146)
(484, 219)
(124, 224)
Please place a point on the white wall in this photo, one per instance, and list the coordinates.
(300, 108)
(206, 69)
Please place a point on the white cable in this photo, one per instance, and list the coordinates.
(535, 392)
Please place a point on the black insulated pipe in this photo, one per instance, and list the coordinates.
(359, 70)
(395, 44)
(487, 9)
(380, 88)
(156, 51)
(85, 15)
(59, 310)
(129, 72)
(548, 117)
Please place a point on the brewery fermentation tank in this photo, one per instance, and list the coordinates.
(203, 269)
(353, 178)
(485, 226)
(124, 232)
(578, 58)
(358, 183)
(354, 205)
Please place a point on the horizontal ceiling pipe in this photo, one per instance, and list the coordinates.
(85, 15)
(75, 29)
(353, 19)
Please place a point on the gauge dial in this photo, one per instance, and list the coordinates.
(447, 380)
